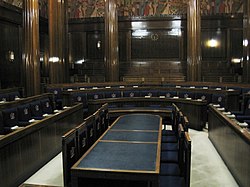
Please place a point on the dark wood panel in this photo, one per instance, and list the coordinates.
(11, 14)
(10, 71)
(24, 151)
(232, 143)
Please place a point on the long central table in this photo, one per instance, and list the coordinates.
(128, 154)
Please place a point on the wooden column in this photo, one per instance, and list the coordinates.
(193, 41)
(31, 47)
(111, 42)
(57, 40)
(246, 42)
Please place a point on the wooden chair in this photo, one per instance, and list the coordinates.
(173, 156)
(69, 153)
(185, 164)
(81, 138)
(90, 123)
(104, 116)
(97, 124)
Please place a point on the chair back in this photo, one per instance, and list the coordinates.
(90, 123)
(97, 124)
(69, 154)
(104, 115)
(187, 158)
(10, 117)
(218, 99)
(24, 114)
(247, 107)
(36, 110)
(46, 106)
(14, 95)
(81, 137)
(4, 97)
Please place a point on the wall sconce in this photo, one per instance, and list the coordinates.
(245, 42)
(212, 43)
(54, 59)
(98, 44)
(11, 56)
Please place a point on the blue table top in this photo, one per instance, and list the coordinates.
(131, 144)
(131, 136)
(137, 122)
(121, 156)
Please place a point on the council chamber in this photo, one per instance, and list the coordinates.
(129, 93)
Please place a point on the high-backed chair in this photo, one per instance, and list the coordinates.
(47, 107)
(14, 95)
(10, 118)
(185, 164)
(36, 110)
(81, 97)
(24, 114)
(167, 93)
(90, 124)
(173, 156)
(174, 123)
(131, 93)
(204, 96)
(112, 94)
(149, 93)
(69, 154)
(245, 114)
(81, 137)
(104, 117)
(186, 94)
(57, 96)
(4, 97)
(95, 95)
(2, 131)
(218, 99)
(97, 124)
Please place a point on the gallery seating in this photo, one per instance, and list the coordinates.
(90, 124)
(19, 113)
(11, 94)
(82, 140)
(24, 114)
(10, 119)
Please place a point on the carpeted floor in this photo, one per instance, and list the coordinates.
(207, 168)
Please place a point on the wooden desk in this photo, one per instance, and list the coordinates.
(232, 143)
(195, 110)
(24, 151)
(128, 154)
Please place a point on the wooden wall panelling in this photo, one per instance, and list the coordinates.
(224, 28)
(10, 70)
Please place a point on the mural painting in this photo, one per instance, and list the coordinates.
(130, 8)
(43, 6)
(17, 3)
(86, 8)
(211, 7)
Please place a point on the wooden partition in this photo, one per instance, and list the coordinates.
(232, 143)
(188, 107)
(24, 151)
